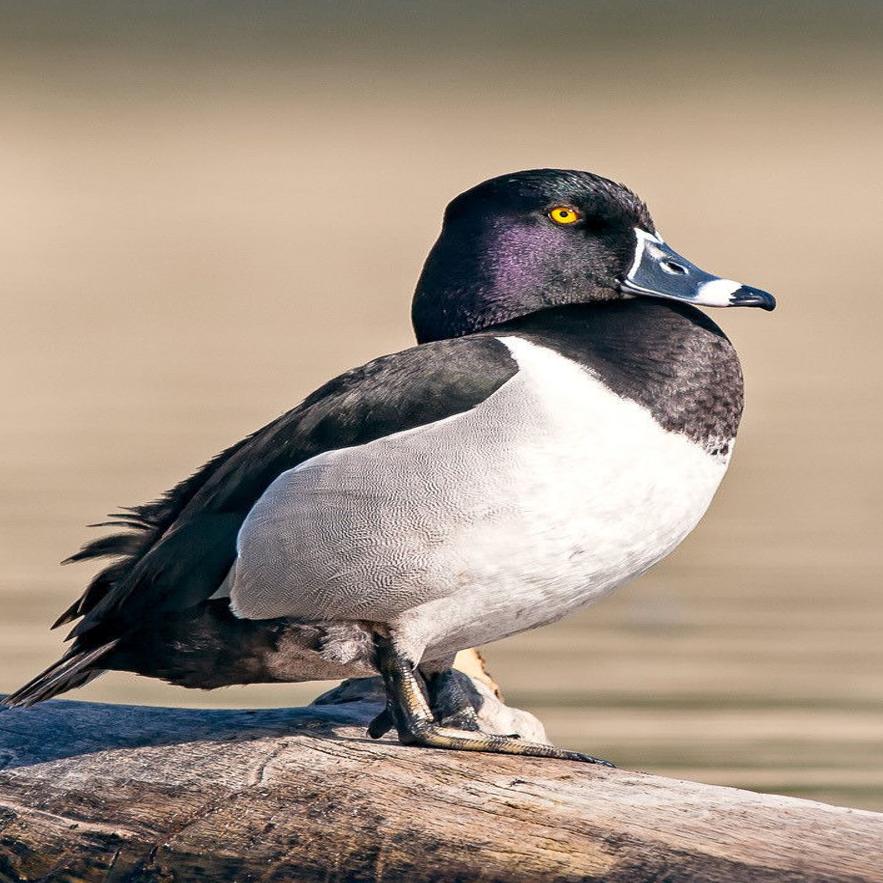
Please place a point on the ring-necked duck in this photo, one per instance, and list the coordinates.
(562, 425)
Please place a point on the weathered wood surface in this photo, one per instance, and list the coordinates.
(109, 792)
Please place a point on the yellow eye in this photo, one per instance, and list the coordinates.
(564, 214)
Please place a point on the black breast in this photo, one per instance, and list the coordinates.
(669, 357)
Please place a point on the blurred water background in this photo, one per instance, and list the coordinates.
(207, 209)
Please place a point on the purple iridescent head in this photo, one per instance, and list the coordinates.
(530, 240)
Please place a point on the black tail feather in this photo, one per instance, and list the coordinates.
(95, 591)
(73, 670)
(114, 544)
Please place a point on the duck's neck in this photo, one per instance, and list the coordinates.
(669, 357)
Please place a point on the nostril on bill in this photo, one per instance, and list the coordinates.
(673, 268)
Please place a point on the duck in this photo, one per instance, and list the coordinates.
(561, 425)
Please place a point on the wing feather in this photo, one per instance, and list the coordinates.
(178, 549)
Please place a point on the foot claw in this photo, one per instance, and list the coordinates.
(588, 758)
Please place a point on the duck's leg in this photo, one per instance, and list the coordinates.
(408, 705)
(448, 702)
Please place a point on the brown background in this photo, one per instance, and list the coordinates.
(208, 209)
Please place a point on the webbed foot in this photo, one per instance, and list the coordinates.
(408, 709)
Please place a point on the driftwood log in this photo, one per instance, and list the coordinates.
(112, 792)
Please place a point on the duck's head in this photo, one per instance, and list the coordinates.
(549, 237)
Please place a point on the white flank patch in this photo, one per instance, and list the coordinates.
(543, 498)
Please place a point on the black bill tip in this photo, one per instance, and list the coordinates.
(746, 296)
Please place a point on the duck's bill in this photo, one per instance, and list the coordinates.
(659, 271)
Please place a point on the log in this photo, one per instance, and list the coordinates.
(93, 791)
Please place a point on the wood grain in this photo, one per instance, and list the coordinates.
(112, 792)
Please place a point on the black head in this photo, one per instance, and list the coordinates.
(523, 242)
